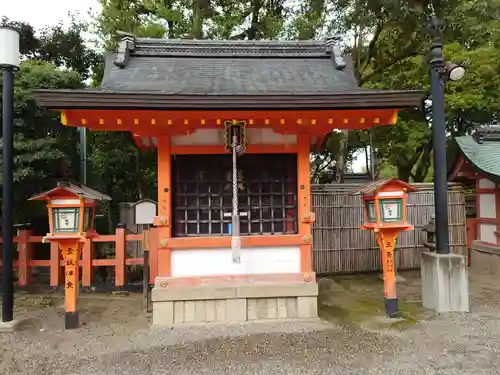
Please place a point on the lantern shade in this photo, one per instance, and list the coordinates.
(391, 210)
(9, 48)
(371, 213)
(65, 219)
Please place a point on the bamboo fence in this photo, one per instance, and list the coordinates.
(340, 246)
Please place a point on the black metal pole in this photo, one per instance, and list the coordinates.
(437, 78)
(145, 280)
(7, 197)
(83, 156)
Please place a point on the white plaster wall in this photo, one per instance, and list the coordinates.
(484, 183)
(487, 233)
(205, 137)
(149, 142)
(215, 137)
(269, 136)
(212, 137)
(487, 206)
(218, 261)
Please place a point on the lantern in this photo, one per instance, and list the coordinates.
(384, 203)
(71, 210)
(71, 221)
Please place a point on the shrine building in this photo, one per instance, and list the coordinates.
(233, 123)
(475, 161)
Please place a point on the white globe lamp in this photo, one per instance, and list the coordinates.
(9, 48)
(455, 72)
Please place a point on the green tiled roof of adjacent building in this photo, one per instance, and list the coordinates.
(482, 150)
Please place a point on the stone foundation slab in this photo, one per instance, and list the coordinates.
(234, 304)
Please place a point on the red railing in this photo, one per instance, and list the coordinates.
(26, 258)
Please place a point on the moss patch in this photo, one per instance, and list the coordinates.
(358, 302)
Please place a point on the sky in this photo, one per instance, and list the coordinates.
(50, 12)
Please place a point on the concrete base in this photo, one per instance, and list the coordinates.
(174, 306)
(445, 286)
(8, 327)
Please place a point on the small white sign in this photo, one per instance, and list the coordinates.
(390, 210)
(145, 212)
(66, 220)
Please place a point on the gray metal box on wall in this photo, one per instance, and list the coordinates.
(137, 216)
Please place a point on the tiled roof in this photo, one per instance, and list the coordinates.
(483, 151)
(374, 186)
(228, 67)
(79, 190)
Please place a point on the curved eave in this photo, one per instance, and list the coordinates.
(473, 163)
(490, 176)
(96, 99)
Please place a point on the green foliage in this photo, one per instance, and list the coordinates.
(63, 47)
(211, 19)
(132, 16)
(119, 169)
(388, 41)
(471, 40)
(44, 150)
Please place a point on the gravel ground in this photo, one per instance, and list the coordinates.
(116, 339)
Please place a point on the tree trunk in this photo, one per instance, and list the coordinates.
(139, 177)
(424, 163)
(404, 173)
(197, 19)
(254, 28)
(342, 157)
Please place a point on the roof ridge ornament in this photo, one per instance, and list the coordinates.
(485, 133)
(333, 49)
(229, 48)
(125, 46)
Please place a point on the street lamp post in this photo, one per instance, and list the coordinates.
(439, 72)
(444, 275)
(9, 62)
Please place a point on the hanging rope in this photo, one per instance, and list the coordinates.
(235, 227)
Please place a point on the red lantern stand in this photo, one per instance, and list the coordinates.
(71, 210)
(384, 203)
